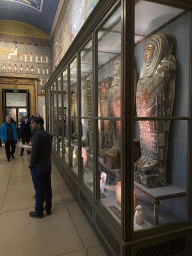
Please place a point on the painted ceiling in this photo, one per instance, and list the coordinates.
(37, 13)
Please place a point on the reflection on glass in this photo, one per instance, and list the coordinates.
(66, 140)
(73, 94)
(114, 21)
(106, 151)
(86, 91)
(104, 105)
(87, 157)
(109, 167)
(59, 99)
(74, 146)
(51, 101)
(53, 142)
(109, 113)
(55, 133)
(55, 99)
(60, 128)
(65, 94)
(49, 127)
(52, 130)
(48, 109)
(73, 132)
(162, 202)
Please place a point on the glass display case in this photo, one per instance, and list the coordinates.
(59, 117)
(55, 111)
(86, 65)
(120, 115)
(65, 119)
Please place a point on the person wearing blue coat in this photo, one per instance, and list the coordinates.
(0, 138)
(9, 136)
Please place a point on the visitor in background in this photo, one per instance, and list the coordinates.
(0, 138)
(9, 136)
(25, 133)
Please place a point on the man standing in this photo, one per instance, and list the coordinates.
(40, 165)
(9, 136)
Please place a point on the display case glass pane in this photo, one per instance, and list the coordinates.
(52, 128)
(87, 112)
(62, 143)
(75, 158)
(55, 116)
(73, 93)
(59, 99)
(160, 182)
(73, 121)
(55, 132)
(51, 113)
(51, 101)
(74, 144)
(65, 94)
(49, 124)
(65, 119)
(110, 166)
(66, 140)
(52, 131)
(55, 98)
(60, 128)
(109, 113)
(48, 109)
(59, 117)
(161, 143)
(87, 155)
(146, 13)
(86, 83)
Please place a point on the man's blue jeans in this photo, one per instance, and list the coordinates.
(42, 185)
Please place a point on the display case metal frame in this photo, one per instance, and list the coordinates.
(119, 240)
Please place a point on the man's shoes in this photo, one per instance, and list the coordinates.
(36, 215)
(8, 159)
(48, 212)
(21, 154)
(13, 156)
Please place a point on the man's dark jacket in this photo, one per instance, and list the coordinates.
(41, 150)
(25, 130)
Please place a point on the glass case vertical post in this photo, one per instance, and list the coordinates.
(96, 175)
(69, 114)
(127, 104)
(79, 124)
(52, 120)
(57, 106)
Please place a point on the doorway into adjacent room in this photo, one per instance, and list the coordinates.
(15, 104)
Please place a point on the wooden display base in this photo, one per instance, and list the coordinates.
(150, 180)
(112, 160)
